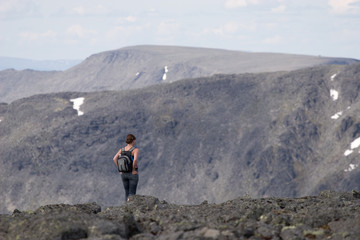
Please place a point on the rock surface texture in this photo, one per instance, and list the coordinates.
(330, 215)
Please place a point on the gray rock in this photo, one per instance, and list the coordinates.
(241, 218)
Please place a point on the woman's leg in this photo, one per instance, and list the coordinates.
(126, 183)
(133, 182)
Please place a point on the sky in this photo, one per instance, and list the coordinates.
(76, 29)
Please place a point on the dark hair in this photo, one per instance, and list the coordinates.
(130, 138)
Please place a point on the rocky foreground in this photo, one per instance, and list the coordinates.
(330, 215)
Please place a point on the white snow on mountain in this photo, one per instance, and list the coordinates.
(77, 103)
(334, 94)
(165, 71)
(348, 152)
(336, 115)
(351, 167)
(354, 144)
(333, 77)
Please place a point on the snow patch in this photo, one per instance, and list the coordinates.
(334, 94)
(351, 167)
(333, 77)
(165, 71)
(354, 144)
(348, 152)
(77, 103)
(336, 115)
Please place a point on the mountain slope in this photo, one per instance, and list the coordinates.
(139, 66)
(18, 84)
(215, 138)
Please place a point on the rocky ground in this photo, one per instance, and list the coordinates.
(330, 215)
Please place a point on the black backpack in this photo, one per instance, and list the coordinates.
(125, 163)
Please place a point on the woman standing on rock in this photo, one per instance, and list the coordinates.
(130, 179)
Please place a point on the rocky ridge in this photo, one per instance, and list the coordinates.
(140, 66)
(330, 215)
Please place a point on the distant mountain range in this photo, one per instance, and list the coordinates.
(280, 133)
(39, 65)
(140, 66)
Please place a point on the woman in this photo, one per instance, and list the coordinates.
(129, 179)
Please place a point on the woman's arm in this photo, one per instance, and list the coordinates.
(116, 157)
(136, 155)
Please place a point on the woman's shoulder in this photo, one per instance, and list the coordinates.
(135, 150)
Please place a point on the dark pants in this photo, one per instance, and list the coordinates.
(130, 182)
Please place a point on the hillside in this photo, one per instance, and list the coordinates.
(140, 66)
(18, 84)
(283, 134)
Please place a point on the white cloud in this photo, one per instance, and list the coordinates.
(232, 29)
(343, 6)
(31, 36)
(18, 8)
(80, 31)
(226, 29)
(79, 10)
(125, 20)
(91, 10)
(6, 6)
(273, 40)
(123, 32)
(130, 19)
(279, 9)
(239, 3)
(235, 3)
(115, 32)
(168, 27)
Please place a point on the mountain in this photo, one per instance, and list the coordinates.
(283, 134)
(17, 84)
(39, 65)
(140, 66)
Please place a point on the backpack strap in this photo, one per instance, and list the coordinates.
(130, 150)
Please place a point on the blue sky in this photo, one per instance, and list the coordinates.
(76, 29)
